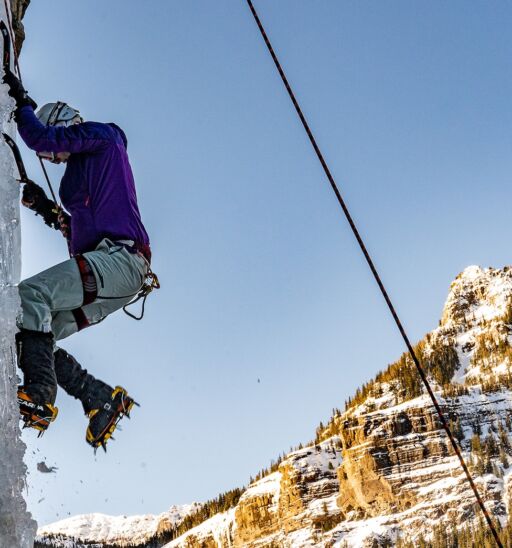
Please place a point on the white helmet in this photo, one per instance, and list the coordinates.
(58, 114)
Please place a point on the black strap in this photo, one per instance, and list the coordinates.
(80, 318)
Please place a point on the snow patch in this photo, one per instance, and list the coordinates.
(220, 527)
(269, 485)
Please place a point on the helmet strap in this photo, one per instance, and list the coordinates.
(55, 112)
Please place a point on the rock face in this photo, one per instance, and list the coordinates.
(383, 471)
(18, 9)
(286, 508)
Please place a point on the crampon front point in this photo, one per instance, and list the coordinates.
(104, 420)
(35, 415)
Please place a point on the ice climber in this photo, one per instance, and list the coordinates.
(110, 260)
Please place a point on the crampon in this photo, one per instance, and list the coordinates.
(35, 415)
(104, 420)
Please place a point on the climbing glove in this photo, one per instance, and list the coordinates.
(64, 221)
(17, 91)
(34, 197)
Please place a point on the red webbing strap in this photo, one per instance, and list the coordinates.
(145, 251)
(90, 288)
(88, 280)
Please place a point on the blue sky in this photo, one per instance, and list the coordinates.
(267, 317)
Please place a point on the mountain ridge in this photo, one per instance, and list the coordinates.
(382, 472)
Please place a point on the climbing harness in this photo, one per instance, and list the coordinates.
(89, 284)
(90, 291)
(151, 282)
(360, 241)
(90, 288)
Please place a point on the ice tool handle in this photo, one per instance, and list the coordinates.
(21, 168)
(17, 157)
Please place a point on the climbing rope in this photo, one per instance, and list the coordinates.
(46, 176)
(369, 260)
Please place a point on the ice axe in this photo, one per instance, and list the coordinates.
(21, 166)
(17, 158)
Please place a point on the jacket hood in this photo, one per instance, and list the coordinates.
(121, 132)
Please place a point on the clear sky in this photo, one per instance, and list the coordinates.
(267, 317)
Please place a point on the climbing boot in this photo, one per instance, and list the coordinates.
(103, 418)
(36, 397)
(80, 384)
(35, 414)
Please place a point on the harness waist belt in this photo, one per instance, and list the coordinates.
(135, 247)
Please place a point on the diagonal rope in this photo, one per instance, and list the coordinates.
(362, 245)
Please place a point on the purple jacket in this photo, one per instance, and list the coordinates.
(97, 188)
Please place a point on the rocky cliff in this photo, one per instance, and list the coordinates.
(382, 472)
(18, 9)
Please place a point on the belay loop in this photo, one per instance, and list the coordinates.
(150, 282)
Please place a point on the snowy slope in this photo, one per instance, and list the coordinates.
(218, 530)
(118, 530)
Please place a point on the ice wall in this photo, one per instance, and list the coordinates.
(17, 529)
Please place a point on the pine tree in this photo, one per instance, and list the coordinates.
(503, 458)
(491, 447)
(504, 442)
(476, 445)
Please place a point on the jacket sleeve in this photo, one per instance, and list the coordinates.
(85, 137)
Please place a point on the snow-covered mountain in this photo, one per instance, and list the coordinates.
(381, 473)
(100, 529)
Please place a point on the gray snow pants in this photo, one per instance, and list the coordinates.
(48, 298)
